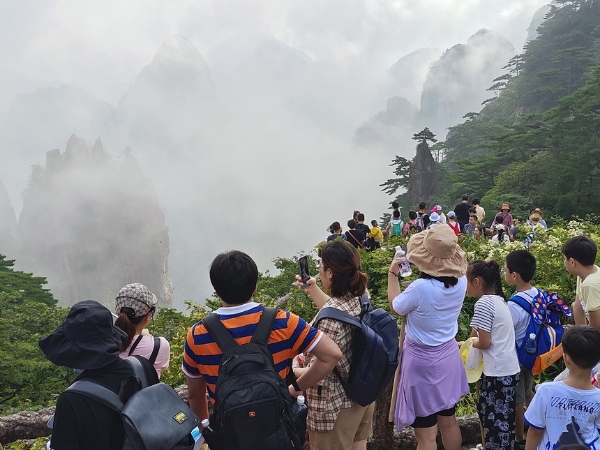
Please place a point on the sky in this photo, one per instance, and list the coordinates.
(274, 174)
(106, 42)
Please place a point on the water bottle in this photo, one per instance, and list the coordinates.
(206, 425)
(299, 406)
(530, 344)
(299, 412)
(403, 264)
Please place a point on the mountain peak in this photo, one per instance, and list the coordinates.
(178, 49)
(176, 58)
(272, 47)
(174, 87)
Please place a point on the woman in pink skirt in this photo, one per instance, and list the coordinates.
(432, 376)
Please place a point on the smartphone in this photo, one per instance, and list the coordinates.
(303, 269)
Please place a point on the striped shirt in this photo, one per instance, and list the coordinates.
(291, 335)
(491, 314)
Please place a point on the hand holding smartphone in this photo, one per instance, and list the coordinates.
(303, 270)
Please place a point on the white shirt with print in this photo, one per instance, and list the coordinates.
(566, 415)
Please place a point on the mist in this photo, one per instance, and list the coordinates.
(240, 114)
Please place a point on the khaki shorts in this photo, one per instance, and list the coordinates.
(524, 386)
(353, 424)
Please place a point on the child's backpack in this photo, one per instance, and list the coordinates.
(253, 408)
(396, 229)
(154, 417)
(420, 222)
(374, 350)
(545, 310)
(412, 228)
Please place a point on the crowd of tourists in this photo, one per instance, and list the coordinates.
(465, 218)
(229, 356)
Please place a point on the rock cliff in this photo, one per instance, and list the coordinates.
(93, 224)
(388, 128)
(422, 176)
(458, 82)
(8, 226)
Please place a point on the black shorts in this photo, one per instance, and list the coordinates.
(429, 421)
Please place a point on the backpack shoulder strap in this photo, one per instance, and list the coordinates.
(365, 304)
(138, 370)
(219, 333)
(336, 314)
(344, 317)
(264, 327)
(521, 302)
(135, 344)
(155, 350)
(355, 240)
(98, 392)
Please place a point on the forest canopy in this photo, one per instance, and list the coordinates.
(536, 142)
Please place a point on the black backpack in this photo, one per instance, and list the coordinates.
(155, 348)
(374, 350)
(253, 408)
(370, 244)
(154, 417)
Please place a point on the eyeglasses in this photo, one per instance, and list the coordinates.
(320, 266)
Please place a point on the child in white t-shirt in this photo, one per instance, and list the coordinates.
(493, 327)
(568, 412)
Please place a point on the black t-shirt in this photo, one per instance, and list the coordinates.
(462, 212)
(364, 228)
(81, 422)
(355, 237)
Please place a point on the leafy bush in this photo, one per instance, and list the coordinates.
(36, 381)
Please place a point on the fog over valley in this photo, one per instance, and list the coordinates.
(140, 139)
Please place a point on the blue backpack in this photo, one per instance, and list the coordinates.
(545, 311)
(374, 350)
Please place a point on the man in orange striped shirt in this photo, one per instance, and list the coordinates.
(234, 276)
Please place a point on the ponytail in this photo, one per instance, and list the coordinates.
(489, 273)
(358, 283)
(127, 324)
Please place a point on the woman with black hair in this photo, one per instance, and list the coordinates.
(336, 232)
(432, 376)
(135, 305)
(335, 421)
